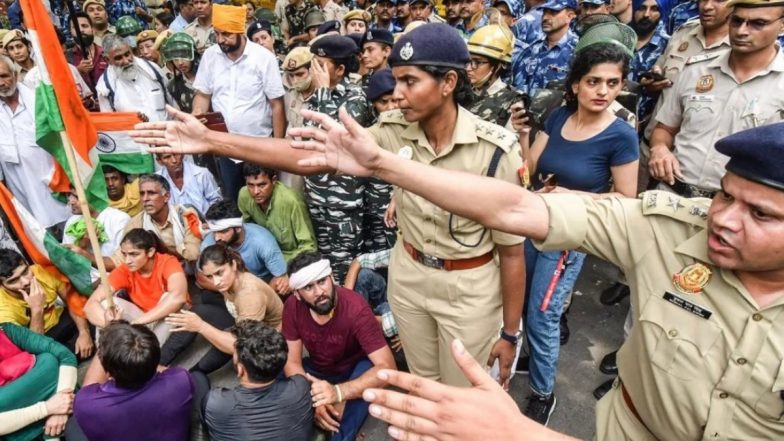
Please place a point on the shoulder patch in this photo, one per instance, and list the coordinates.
(392, 117)
(495, 134)
(703, 57)
(663, 203)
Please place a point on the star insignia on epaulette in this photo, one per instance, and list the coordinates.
(696, 210)
(675, 203)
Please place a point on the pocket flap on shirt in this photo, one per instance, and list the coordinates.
(778, 385)
(678, 324)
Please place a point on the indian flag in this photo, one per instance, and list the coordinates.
(97, 138)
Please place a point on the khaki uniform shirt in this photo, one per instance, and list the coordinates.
(204, 37)
(294, 102)
(706, 366)
(708, 103)
(423, 224)
(333, 11)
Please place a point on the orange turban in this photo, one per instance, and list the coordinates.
(229, 19)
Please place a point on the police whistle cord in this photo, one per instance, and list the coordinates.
(560, 267)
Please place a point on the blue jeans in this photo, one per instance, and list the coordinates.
(543, 328)
(373, 287)
(356, 411)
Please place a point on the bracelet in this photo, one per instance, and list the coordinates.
(340, 394)
(512, 339)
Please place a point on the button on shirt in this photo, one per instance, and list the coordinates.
(199, 188)
(241, 89)
(691, 376)
(706, 114)
(538, 64)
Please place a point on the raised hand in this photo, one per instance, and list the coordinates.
(184, 134)
(348, 148)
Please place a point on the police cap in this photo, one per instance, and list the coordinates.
(381, 83)
(334, 46)
(756, 154)
(382, 36)
(296, 58)
(560, 5)
(257, 26)
(431, 44)
(329, 26)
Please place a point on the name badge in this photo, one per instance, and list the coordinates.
(687, 305)
(701, 98)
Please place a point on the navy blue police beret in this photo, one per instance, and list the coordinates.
(334, 46)
(756, 154)
(432, 44)
(382, 36)
(259, 25)
(357, 39)
(381, 83)
(328, 26)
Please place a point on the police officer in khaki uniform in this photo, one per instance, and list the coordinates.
(703, 362)
(449, 277)
(718, 95)
(298, 82)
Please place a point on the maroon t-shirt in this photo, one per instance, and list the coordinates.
(336, 346)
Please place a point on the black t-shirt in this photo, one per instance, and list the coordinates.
(281, 411)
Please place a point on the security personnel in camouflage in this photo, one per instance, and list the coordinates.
(336, 202)
(491, 52)
(682, 13)
(180, 50)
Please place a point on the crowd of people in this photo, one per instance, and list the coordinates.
(402, 220)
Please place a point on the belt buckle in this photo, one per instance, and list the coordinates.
(432, 261)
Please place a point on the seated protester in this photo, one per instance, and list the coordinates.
(32, 297)
(123, 397)
(273, 409)
(37, 379)
(178, 227)
(153, 285)
(189, 183)
(123, 195)
(243, 296)
(109, 224)
(345, 345)
(268, 202)
(255, 244)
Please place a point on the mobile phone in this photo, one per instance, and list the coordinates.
(652, 75)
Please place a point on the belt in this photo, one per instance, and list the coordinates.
(628, 400)
(691, 191)
(446, 264)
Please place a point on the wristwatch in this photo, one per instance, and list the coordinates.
(510, 338)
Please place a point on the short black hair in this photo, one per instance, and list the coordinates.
(304, 259)
(261, 349)
(152, 177)
(220, 254)
(106, 168)
(82, 14)
(586, 59)
(142, 239)
(9, 261)
(224, 209)
(463, 94)
(250, 170)
(165, 17)
(182, 3)
(129, 353)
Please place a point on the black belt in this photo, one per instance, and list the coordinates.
(691, 191)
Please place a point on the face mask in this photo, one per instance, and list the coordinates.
(481, 83)
(87, 40)
(302, 85)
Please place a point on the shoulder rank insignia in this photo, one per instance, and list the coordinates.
(692, 278)
(696, 210)
(675, 203)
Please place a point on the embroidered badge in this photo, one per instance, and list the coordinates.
(698, 211)
(406, 152)
(675, 203)
(651, 199)
(321, 52)
(407, 51)
(292, 64)
(683, 46)
(692, 278)
(705, 83)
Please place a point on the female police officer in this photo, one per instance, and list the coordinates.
(449, 277)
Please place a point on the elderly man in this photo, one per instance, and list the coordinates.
(27, 168)
(242, 81)
(131, 84)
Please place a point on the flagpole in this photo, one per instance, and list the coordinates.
(88, 218)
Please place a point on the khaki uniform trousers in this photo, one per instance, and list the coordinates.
(615, 421)
(432, 307)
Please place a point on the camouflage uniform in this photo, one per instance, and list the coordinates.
(493, 103)
(681, 14)
(295, 17)
(181, 89)
(528, 28)
(536, 65)
(335, 202)
(643, 60)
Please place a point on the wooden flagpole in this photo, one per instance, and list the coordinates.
(88, 218)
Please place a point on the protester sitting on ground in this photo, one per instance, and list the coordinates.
(273, 408)
(123, 195)
(190, 184)
(243, 296)
(149, 285)
(32, 297)
(255, 244)
(37, 379)
(344, 343)
(124, 398)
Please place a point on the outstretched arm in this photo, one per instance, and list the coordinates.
(492, 202)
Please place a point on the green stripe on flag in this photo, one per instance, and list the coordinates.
(75, 266)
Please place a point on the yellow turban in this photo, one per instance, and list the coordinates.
(229, 19)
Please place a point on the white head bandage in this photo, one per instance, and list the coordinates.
(309, 274)
(224, 224)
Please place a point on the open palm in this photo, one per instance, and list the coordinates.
(348, 148)
(184, 134)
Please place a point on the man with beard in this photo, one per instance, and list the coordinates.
(191, 185)
(472, 12)
(242, 81)
(26, 167)
(345, 344)
(131, 84)
(548, 58)
(385, 16)
(17, 46)
(99, 18)
(717, 95)
(254, 243)
(93, 64)
(452, 8)
(651, 42)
